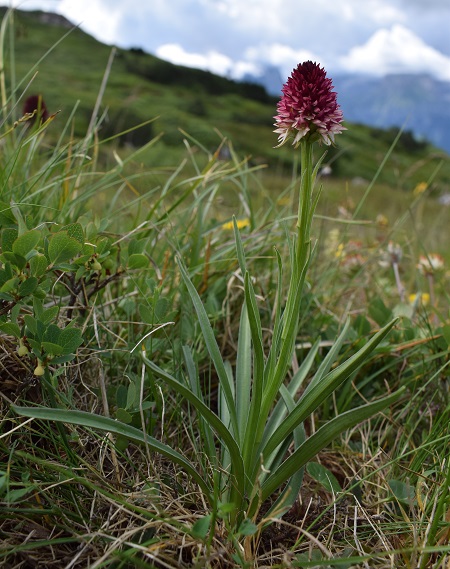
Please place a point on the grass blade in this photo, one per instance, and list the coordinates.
(109, 425)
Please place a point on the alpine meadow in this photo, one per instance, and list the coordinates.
(224, 319)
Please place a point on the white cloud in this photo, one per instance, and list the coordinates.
(266, 16)
(211, 61)
(384, 13)
(254, 59)
(281, 56)
(236, 37)
(396, 50)
(94, 18)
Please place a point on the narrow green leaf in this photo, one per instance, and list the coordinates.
(252, 433)
(330, 358)
(243, 372)
(287, 345)
(321, 438)
(206, 433)
(211, 344)
(280, 410)
(291, 491)
(111, 426)
(256, 331)
(314, 397)
(274, 348)
(225, 436)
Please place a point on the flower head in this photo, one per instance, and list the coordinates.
(430, 264)
(308, 107)
(392, 255)
(241, 223)
(35, 107)
(420, 188)
(416, 299)
(382, 221)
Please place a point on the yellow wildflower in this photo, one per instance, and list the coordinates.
(382, 220)
(339, 251)
(420, 188)
(423, 298)
(241, 223)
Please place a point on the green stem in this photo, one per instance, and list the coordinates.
(294, 296)
(304, 217)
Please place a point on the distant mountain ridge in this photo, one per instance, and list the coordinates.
(147, 97)
(418, 102)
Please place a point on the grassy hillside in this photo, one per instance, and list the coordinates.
(181, 391)
(69, 70)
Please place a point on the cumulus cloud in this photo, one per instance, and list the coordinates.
(396, 50)
(92, 18)
(95, 18)
(280, 55)
(254, 60)
(233, 37)
(253, 14)
(210, 61)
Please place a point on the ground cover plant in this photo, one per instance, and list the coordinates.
(200, 372)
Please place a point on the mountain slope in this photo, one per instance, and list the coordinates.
(70, 65)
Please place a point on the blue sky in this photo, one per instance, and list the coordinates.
(234, 37)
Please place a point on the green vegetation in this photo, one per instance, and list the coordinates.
(141, 327)
(66, 66)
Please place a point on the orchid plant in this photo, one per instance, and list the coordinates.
(254, 448)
